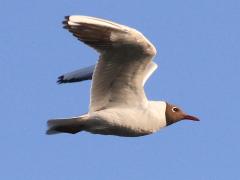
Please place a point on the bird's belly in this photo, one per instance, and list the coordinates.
(101, 126)
(122, 122)
(117, 131)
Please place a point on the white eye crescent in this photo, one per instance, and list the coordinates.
(175, 109)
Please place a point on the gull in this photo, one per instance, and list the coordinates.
(118, 104)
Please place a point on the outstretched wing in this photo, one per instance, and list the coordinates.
(86, 73)
(77, 76)
(124, 65)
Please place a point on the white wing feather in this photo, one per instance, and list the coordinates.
(125, 62)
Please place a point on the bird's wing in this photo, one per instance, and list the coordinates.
(124, 64)
(77, 76)
(86, 73)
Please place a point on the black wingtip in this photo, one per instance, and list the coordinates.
(60, 79)
(65, 27)
(66, 18)
(65, 22)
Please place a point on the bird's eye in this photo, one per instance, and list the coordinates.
(175, 109)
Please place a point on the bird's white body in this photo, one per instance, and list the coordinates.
(128, 121)
(118, 104)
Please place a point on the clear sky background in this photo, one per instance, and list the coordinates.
(198, 56)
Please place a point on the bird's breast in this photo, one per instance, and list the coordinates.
(126, 122)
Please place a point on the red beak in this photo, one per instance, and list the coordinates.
(193, 118)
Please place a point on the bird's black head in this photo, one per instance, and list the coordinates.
(175, 114)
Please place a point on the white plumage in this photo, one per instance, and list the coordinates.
(118, 104)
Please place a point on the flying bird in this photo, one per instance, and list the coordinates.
(118, 104)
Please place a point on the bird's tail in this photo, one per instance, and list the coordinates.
(68, 125)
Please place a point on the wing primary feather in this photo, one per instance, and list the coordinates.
(77, 76)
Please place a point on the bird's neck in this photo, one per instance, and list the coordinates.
(158, 109)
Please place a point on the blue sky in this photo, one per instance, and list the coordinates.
(198, 56)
